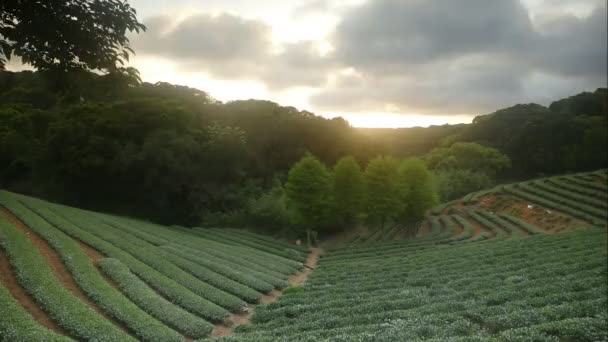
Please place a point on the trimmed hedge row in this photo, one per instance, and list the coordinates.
(189, 237)
(560, 183)
(290, 257)
(467, 229)
(146, 253)
(145, 297)
(522, 224)
(550, 203)
(17, 325)
(215, 279)
(596, 203)
(438, 294)
(167, 287)
(86, 276)
(35, 276)
(498, 233)
(264, 240)
(235, 272)
(506, 225)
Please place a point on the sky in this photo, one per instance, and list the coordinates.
(377, 63)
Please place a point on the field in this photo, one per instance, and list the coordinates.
(546, 205)
(99, 277)
(543, 288)
(520, 262)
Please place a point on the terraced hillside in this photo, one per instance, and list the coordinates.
(520, 262)
(70, 274)
(546, 205)
(548, 287)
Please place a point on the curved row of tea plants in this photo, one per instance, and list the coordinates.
(499, 290)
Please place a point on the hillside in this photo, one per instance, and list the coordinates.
(520, 261)
(499, 290)
(545, 205)
(90, 276)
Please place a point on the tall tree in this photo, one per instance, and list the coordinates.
(416, 189)
(308, 187)
(382, 191)
(68, 34)
(347, 190)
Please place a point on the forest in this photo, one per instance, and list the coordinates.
(85, 130)
(175, 154)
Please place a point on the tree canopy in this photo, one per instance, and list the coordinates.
(348, 192)
(417, 190)
(308, 188)
(384, 200)
(174, 154)
(69, 34)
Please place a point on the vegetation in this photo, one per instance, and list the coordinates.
(308, 189)
(83, 129)
(196, 282)
(175, 155)
(348, 192)
(69, 35)
(491, 291)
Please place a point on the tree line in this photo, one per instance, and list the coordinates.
(174, 154)
(319, 199)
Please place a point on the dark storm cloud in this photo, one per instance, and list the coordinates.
(459, 56)
(574, 47)
(396, 32)
(450, 56)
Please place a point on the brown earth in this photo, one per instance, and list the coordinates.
(53, 260)
(298, 278)
(226, 328)
(9, 281)
(457, 231)
(91, 252)
(549, 220)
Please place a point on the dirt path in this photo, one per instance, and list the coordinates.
(226, 328)
(56, 265)
(9, 281)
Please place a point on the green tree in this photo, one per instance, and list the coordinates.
(455, 183)
(417, 190)
(466, 155)
(348, 194)
(269, 212)
(308, 187)
(65, 35)
(382, 190)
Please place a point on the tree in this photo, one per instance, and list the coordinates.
(270, 211)
(455, 183)
(69, 34)
(467, 155)
(308, 188)
(417, 190)
(382, 190)
(347, 190)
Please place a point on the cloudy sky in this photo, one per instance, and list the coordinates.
(385, 63)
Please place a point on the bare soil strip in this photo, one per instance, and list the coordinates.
(9, 281)
(91, 252)
(457, 231)
(478, 229)
(56, 265)
(225, 328)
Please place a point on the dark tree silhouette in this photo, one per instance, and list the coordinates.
(67, 34)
